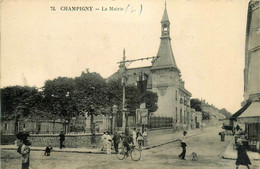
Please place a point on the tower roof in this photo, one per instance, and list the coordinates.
(165, 15)
(165, 54)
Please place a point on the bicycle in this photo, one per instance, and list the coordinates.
(134, 152)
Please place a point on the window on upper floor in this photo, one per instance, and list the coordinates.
(181, 120)
(176, 114)
(6, 126)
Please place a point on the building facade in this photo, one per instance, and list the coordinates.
(164, 78)
(249, 114)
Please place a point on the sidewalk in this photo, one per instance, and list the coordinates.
(155, 138)
(231, 154)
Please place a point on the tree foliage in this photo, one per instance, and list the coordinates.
(133, 97)
(225, 112)
(64, 98)
(195, 104)
(205, 115)
(20, 101)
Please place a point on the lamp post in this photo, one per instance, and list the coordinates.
(142, 85)
(114, 108)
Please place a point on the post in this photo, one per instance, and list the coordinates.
(124, 84)
(114, 111)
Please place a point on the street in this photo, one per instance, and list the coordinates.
(207, 145)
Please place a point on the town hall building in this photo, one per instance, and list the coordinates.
(164, 78)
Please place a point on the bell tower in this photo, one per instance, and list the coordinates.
(165, 25)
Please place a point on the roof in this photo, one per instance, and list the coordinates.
(165, 56)
(240, 111)
(132, 75)
(165, 15)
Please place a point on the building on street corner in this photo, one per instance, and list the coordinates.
(164, 78)
(249, 114)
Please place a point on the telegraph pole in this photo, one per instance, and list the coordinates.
(124, 84)
(123, 65)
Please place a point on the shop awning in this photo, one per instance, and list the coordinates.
(240, 111)
(251, 114)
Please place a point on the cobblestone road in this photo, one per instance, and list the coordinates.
(207, 145)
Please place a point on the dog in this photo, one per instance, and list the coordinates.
(194, 156)
(48, 151)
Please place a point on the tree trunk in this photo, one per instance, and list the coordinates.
(91, 124)
(93, 139)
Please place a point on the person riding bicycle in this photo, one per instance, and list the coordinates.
(127, 141)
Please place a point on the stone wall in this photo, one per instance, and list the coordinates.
(71, 141)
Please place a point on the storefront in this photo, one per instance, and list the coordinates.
(251, 118)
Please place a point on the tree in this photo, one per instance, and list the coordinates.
(19, 101)
(195, 104)
(91, 96)
(205, 115)
(59, 98)
(133, 97)
(225, 112)
(151, 102)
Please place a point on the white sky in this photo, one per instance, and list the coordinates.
(208, 41)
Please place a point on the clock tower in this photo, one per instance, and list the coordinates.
(166, 78)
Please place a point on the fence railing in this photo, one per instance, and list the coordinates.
(157, 122)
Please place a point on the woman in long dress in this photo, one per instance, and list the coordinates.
(242, 157)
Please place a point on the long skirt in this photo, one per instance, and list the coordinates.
(242, 157)
(108, 147)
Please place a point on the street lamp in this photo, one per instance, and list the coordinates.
(114, 108)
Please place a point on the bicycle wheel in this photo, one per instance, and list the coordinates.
(135, 154)
(121, 153)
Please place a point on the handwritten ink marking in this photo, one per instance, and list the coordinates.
(53, 8)
(141, 9)
(127, 8)
(96, 9)
(132, 9)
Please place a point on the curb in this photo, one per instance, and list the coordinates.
(100, 152)
(172, 141)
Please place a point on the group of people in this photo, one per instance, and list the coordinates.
(136, 138)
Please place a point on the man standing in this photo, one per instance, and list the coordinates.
(134, 136)
(183, 145)
(62, 138)
(116, 140)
